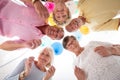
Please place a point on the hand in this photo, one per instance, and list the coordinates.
(41, 10)
(104, 51)
(57, 1)
(27, 1)
(28, 65)
(33, 43)
(79, 73)
(49, 73)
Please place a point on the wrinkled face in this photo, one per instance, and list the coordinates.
(74, 25)
(55, 33)
(44, 57)
(61, 12)
(72, 45)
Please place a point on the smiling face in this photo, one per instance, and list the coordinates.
(45, 57)
(75, 24)
(72, 45)
(55, 32)
(61, 12)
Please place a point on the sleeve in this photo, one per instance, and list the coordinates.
(80, 3)
(14, 75)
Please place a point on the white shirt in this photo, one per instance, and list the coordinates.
(97, 67)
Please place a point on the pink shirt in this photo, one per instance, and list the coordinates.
(19, 20)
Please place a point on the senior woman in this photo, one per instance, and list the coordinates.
(61, 13)
(21, 20)
(30, 69)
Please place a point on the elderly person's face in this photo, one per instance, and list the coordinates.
(55, 32)
(61, 12)
(74, 24)
(44, 58)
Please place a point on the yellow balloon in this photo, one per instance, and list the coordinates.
(51, 21)
(84, 30)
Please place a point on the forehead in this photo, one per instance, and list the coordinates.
(46, 51)
(70, 39)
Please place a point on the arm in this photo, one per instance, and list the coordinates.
(22, 70)
(39, 8)
(13, 45)
(79, 73)
(27, 68)
(107, 51)
(49, 73)
(15, 73)
(116, 50)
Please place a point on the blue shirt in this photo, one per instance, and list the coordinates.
(35, 73)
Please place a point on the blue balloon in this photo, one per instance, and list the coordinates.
(78, 35)
(57, 47)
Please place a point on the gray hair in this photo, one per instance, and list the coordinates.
(51, 52)
(62, 23)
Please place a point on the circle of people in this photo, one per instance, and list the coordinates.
(29, 21)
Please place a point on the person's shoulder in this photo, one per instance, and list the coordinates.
(23, 60)
(94, 43)
(99, 43)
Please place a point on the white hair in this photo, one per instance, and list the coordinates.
(51, 52)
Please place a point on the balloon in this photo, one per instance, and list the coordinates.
(57, 47)
(84, 30)
(77, 34)
(50, 6)
(51, 21)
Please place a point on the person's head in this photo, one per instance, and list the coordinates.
(54, 32)
(75, 24)
(46, 57)
(61, 13)
(70, 43)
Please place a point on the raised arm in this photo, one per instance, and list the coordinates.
(22, 70)
(117, 50)
(13, 45)
(14, 75)
(49, 73)
(107, 51)
(39, 8)
(79, 73)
